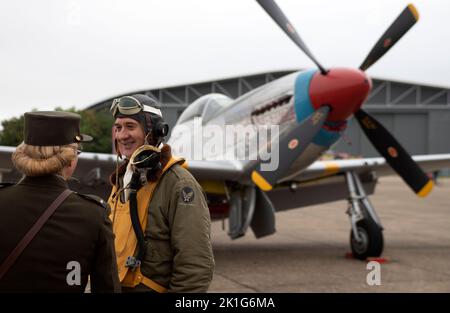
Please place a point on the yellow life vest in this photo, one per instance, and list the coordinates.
(126, 241)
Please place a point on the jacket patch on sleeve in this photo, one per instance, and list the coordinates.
(187, 194)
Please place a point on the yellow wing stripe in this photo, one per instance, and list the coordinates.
(331, 168)
(426, 189)
(260, 181)
(213, 186)
(413, 11)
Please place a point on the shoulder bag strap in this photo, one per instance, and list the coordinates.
(5, 266)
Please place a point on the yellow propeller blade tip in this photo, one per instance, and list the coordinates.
(414, 11)
(426, 189)
(261, 182)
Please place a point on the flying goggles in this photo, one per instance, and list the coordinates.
(129, 105)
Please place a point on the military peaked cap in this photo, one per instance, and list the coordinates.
(53, 128)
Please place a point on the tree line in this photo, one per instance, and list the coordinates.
(97, 124)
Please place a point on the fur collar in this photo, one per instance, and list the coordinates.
(166, 155)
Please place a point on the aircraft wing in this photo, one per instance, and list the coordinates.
(236, 170)
(87, 161)
(211, 169)
(217, 169)
(321, 182)
(428, 163)
(317, 181)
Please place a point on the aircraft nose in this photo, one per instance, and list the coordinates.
(342, 89)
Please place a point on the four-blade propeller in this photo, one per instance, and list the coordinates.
(380, 137)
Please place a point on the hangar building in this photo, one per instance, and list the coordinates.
(417, 115)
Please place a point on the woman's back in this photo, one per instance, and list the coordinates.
(71, 245)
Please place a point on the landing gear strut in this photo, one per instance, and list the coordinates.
(366, 237)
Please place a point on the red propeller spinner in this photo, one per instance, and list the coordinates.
(344, 90)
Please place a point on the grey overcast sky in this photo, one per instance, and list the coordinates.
(76, 53)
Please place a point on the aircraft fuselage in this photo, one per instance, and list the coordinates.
(283, 102)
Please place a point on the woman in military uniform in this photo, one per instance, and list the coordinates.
(74, 242)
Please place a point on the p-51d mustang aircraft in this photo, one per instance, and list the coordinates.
(311, 109)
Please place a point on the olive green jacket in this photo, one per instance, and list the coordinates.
(179, 255)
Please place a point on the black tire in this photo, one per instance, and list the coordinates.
(372, 239)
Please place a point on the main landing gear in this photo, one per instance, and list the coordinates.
(366, 237)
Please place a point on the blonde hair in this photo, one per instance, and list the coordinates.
(43, 160)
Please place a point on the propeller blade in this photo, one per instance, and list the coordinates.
(399, 27)
(395, 154)
(278, 16)
(291, 144)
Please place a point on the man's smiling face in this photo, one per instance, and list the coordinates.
(129, 135)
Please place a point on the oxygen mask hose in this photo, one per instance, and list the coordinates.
(135, 183)
(145, 159)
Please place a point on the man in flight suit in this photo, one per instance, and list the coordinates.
(174, 253)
